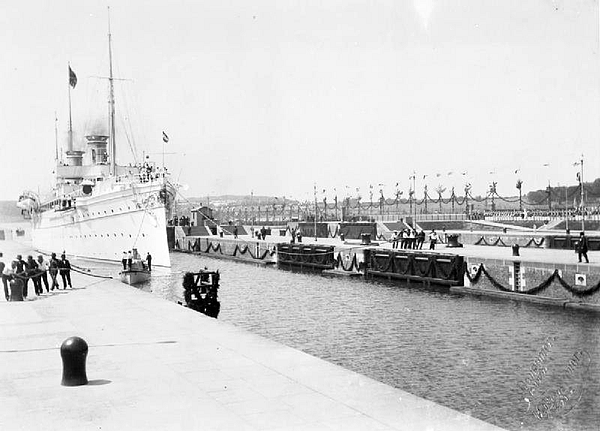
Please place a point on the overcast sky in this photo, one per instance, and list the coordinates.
(275, 96)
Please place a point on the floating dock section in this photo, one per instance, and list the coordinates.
(427, 268)
(306, 256)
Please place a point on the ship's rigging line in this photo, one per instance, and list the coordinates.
(91, 126)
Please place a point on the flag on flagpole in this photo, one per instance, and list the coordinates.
(165, 137)
(72, 78)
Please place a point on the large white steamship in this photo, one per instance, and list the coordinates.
(99, 209)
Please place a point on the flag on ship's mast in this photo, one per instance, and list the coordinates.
(165, 137)
(72, 78)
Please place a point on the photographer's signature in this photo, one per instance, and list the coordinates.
(544, 403)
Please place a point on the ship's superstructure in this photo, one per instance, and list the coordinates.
(97, 215)
(100, 209)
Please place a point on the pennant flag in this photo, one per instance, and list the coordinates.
(165, 137)
(517, 171)
(72, 78)
(450, 173)
(424, 176)
(578, 177)
(438, 175)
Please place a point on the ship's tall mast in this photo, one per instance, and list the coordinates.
(55, 138)
(70, 143)
(113, 147)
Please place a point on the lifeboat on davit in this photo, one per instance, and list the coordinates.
(28, 202)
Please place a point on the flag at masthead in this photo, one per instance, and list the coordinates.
(72, 78)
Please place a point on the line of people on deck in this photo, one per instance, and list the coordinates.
(410, 239)
(21, 271)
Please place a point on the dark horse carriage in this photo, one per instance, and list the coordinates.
(200, 292)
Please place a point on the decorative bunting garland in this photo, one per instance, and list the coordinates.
(541, 287)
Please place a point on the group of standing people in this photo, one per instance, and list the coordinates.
(261, 233)
(21, 271)
(410, 239)
(296, 235)
(127, 260)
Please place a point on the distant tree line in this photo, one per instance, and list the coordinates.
(573, 194)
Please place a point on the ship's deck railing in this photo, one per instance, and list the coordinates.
(145, 174)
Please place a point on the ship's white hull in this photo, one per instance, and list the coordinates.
(105, 225)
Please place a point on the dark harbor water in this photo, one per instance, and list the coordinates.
(516, 365)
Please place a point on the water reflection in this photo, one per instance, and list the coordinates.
(468, 353)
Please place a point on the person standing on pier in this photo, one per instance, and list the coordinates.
(20, 273)
(4, 279)
(149, 261)
(582, 247)
(420, 239)
(33, 273)
(395, 240)
(43, 268)
(402, 239)
(53, 269)
(65, 271)
(235, 231)
(124, 260)
(433, 237)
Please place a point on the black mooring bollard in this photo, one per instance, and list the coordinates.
(515, 249)
(73, 352)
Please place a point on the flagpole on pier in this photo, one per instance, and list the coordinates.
(315, 211)
(582, 203)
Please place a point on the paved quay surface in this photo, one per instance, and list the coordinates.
(155, 365)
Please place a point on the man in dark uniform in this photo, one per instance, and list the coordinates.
(149, 261)
(20, 273)
(34, 274)
(65, 271)
(582, 247)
